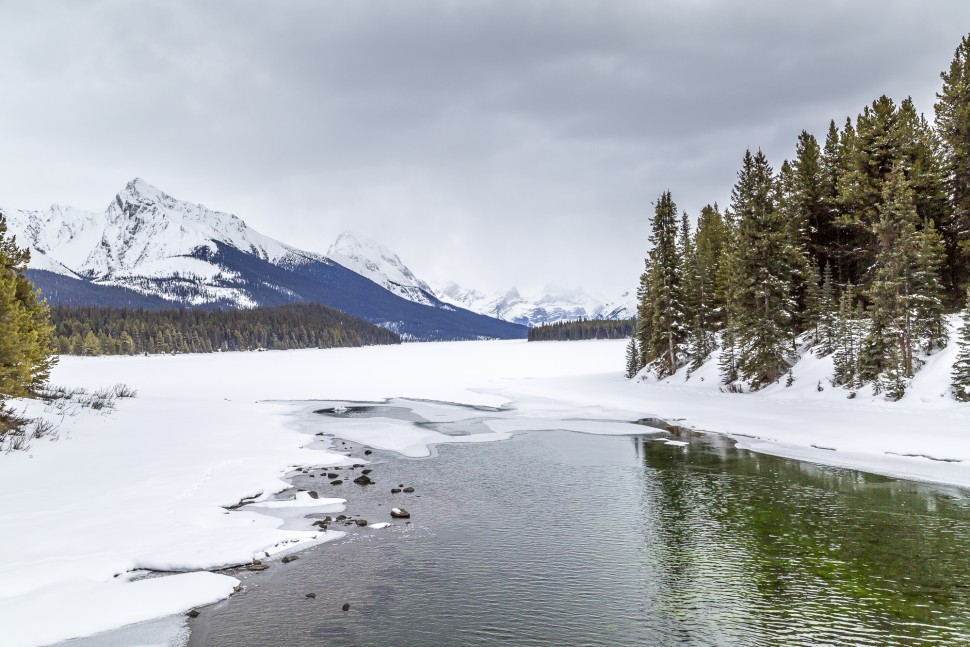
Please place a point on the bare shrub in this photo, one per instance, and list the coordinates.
(123, 391)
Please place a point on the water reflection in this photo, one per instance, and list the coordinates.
(752, 548)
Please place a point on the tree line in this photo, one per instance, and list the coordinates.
(583, 329)
(858, 246)
(124, 331)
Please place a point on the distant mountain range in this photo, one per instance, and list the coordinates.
(549, 306)
(150, 250)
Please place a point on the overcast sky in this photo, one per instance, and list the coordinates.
(490, 143)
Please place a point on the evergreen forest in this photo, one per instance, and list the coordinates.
(856, 248)
(583, 329)
(111, 331)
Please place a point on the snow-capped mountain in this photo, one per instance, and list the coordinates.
(146, 241)
(148, 249)
(372, 260)
(549, 306)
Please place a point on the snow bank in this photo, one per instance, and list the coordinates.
(80, 608)
(146, 486)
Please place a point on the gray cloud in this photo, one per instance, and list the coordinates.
(490, 142)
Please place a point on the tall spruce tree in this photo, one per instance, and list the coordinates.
(831, 236)
(662, 287)
(795, 209)
(905, 292)
(632, 358)
(26, 351)
(849, 329)
(762, 260)
(960, 376)
(645, 299)
(827, 315)
(808, 200)
(953, 126)
(707, 314)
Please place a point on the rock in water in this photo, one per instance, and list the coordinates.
(346, 606)
(400, 513)
(363, 479)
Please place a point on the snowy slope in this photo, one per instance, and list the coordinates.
(146, 241)
(372, 260)
(145, 229)
(548, 306)
(148, 249)
(60, 239)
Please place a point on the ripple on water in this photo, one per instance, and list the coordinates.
(557, 538)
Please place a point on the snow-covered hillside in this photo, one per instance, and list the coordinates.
(548, 306)
(372, 260)
(146, 241)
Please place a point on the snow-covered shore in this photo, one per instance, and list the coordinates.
(146, 486)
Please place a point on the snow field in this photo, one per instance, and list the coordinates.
(146, 486)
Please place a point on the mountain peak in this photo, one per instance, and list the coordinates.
(349, 243)
(139, 188)
(372, 260)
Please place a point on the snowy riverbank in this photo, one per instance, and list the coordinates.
(146, 486)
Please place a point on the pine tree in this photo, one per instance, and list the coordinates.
(707, 313)
(645, 301)
(690, 288)
(905, 292)
(827, 315)
(961, 368)
(91, 345)
(831, 239)
(760, 303)
(809, 187)
(662, 287)
(26, 348)
(795, 208)
(727, 364)
(632, 358)
(845, 357)
(953, 126)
